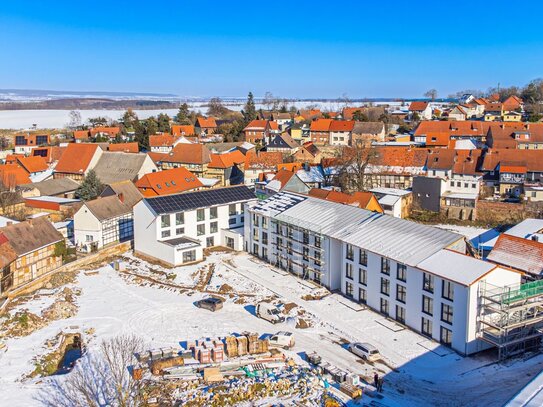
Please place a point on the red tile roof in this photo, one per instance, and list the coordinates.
(226, 160)
(256, 125)
(342, 125)
(418, 106)
(162, 140)
(50, 154)
(81, 134)
(531, 159)
(182, 129)
(518, 253)
(321, 125)
(206, 123)
(263, 159)
(168, 182)
(185, 153)
(348, 112)
(125, 147)
(33, 164)
(463, 128)
(360, 199)
(12, 175)
(76, 158)
(111, 131)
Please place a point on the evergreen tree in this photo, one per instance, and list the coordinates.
(163, 122)
(130, 121)
(249, 112)
(360, 117)
(90, 188)
(183, 114)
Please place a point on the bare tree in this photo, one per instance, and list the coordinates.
(4, 143)
(216, 107)
(345, 101)
(75, 120)
(432, 94)
(8, 195)
(99, 379)
(269, 100)
(351, 172)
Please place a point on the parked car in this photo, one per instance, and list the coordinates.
(282, 339)
(269, 312)
(211, 303)
(365, 350)
(314, 358)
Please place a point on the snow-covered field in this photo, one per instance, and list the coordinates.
(418, 372)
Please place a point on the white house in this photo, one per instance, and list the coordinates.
(107, 219)
(416, 274)
(174, 229)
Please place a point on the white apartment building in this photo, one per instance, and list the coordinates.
(413, 273)
(174, 229)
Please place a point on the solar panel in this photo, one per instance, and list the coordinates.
(200, 199)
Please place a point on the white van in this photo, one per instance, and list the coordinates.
(282, 339)
(365, 350)
(269, 312)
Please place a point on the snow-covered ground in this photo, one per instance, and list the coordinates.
(417, 371)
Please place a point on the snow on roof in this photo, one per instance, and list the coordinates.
(314, 174)
(389, 200)
(4, 221)
(457, 267)
(526, 228)
(54, 199)
(390, 191)
(465, 145)
(41, 176)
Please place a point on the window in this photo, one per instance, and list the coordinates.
(401, 273)
(349, 271)
(363, 257)
(264, 238)
(166, 233)
(317, 258)
(232, 209)
(385, 266)
(445, 336)
(384, 306)
(401, 293)
(317, 241)
(189, 256)
(349, 252)
(201, 229)
(385, 286)
(306, 253)
(427, 305)
(210, 241)
(165, 221)
(232, 221)
(428, 283)
(362, 276)
(426, 327)
(179, 231)
(179, 218)
(88, 238)
(255, 219)
(255, 249)
(213, 227)
(447, 313)
(348, 289)
(264, 222)
(400, 314)
(200, 215)
(362, 296)
(447, 290)
(306, 238)
(213, 213)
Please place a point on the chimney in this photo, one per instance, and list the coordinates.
(121, 197)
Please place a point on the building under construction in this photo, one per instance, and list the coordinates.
(511, 317)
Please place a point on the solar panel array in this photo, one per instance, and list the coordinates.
(200, 199)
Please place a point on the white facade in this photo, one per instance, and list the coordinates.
(412, 273)
(340, 138)
(179, 237)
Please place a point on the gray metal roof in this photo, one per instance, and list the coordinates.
(399, 239)
(115, 166)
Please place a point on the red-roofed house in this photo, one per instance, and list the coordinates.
(12, 175)
(320, 131)
(521, 254)
(182, 130)
(124, 147)
(50, 154)
(77, 160)
(103, 131)
(33, 164)
(259, 162)
(25, 143)
(195, 157)
(364, 200)
(227, 167)
(308, 153)
(81, 136)
(422, 109)
(205, 126)
(341, 132)
(256, 132)
(172, 181)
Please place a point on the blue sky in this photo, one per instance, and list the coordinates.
(293, 49)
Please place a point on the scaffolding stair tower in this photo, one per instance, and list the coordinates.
(511, 317)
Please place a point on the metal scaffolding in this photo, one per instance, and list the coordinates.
(511, 317)
(283, 249)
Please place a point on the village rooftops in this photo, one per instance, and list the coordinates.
(199, 199)
(31, 235)
(54, 186)
(518, 253)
